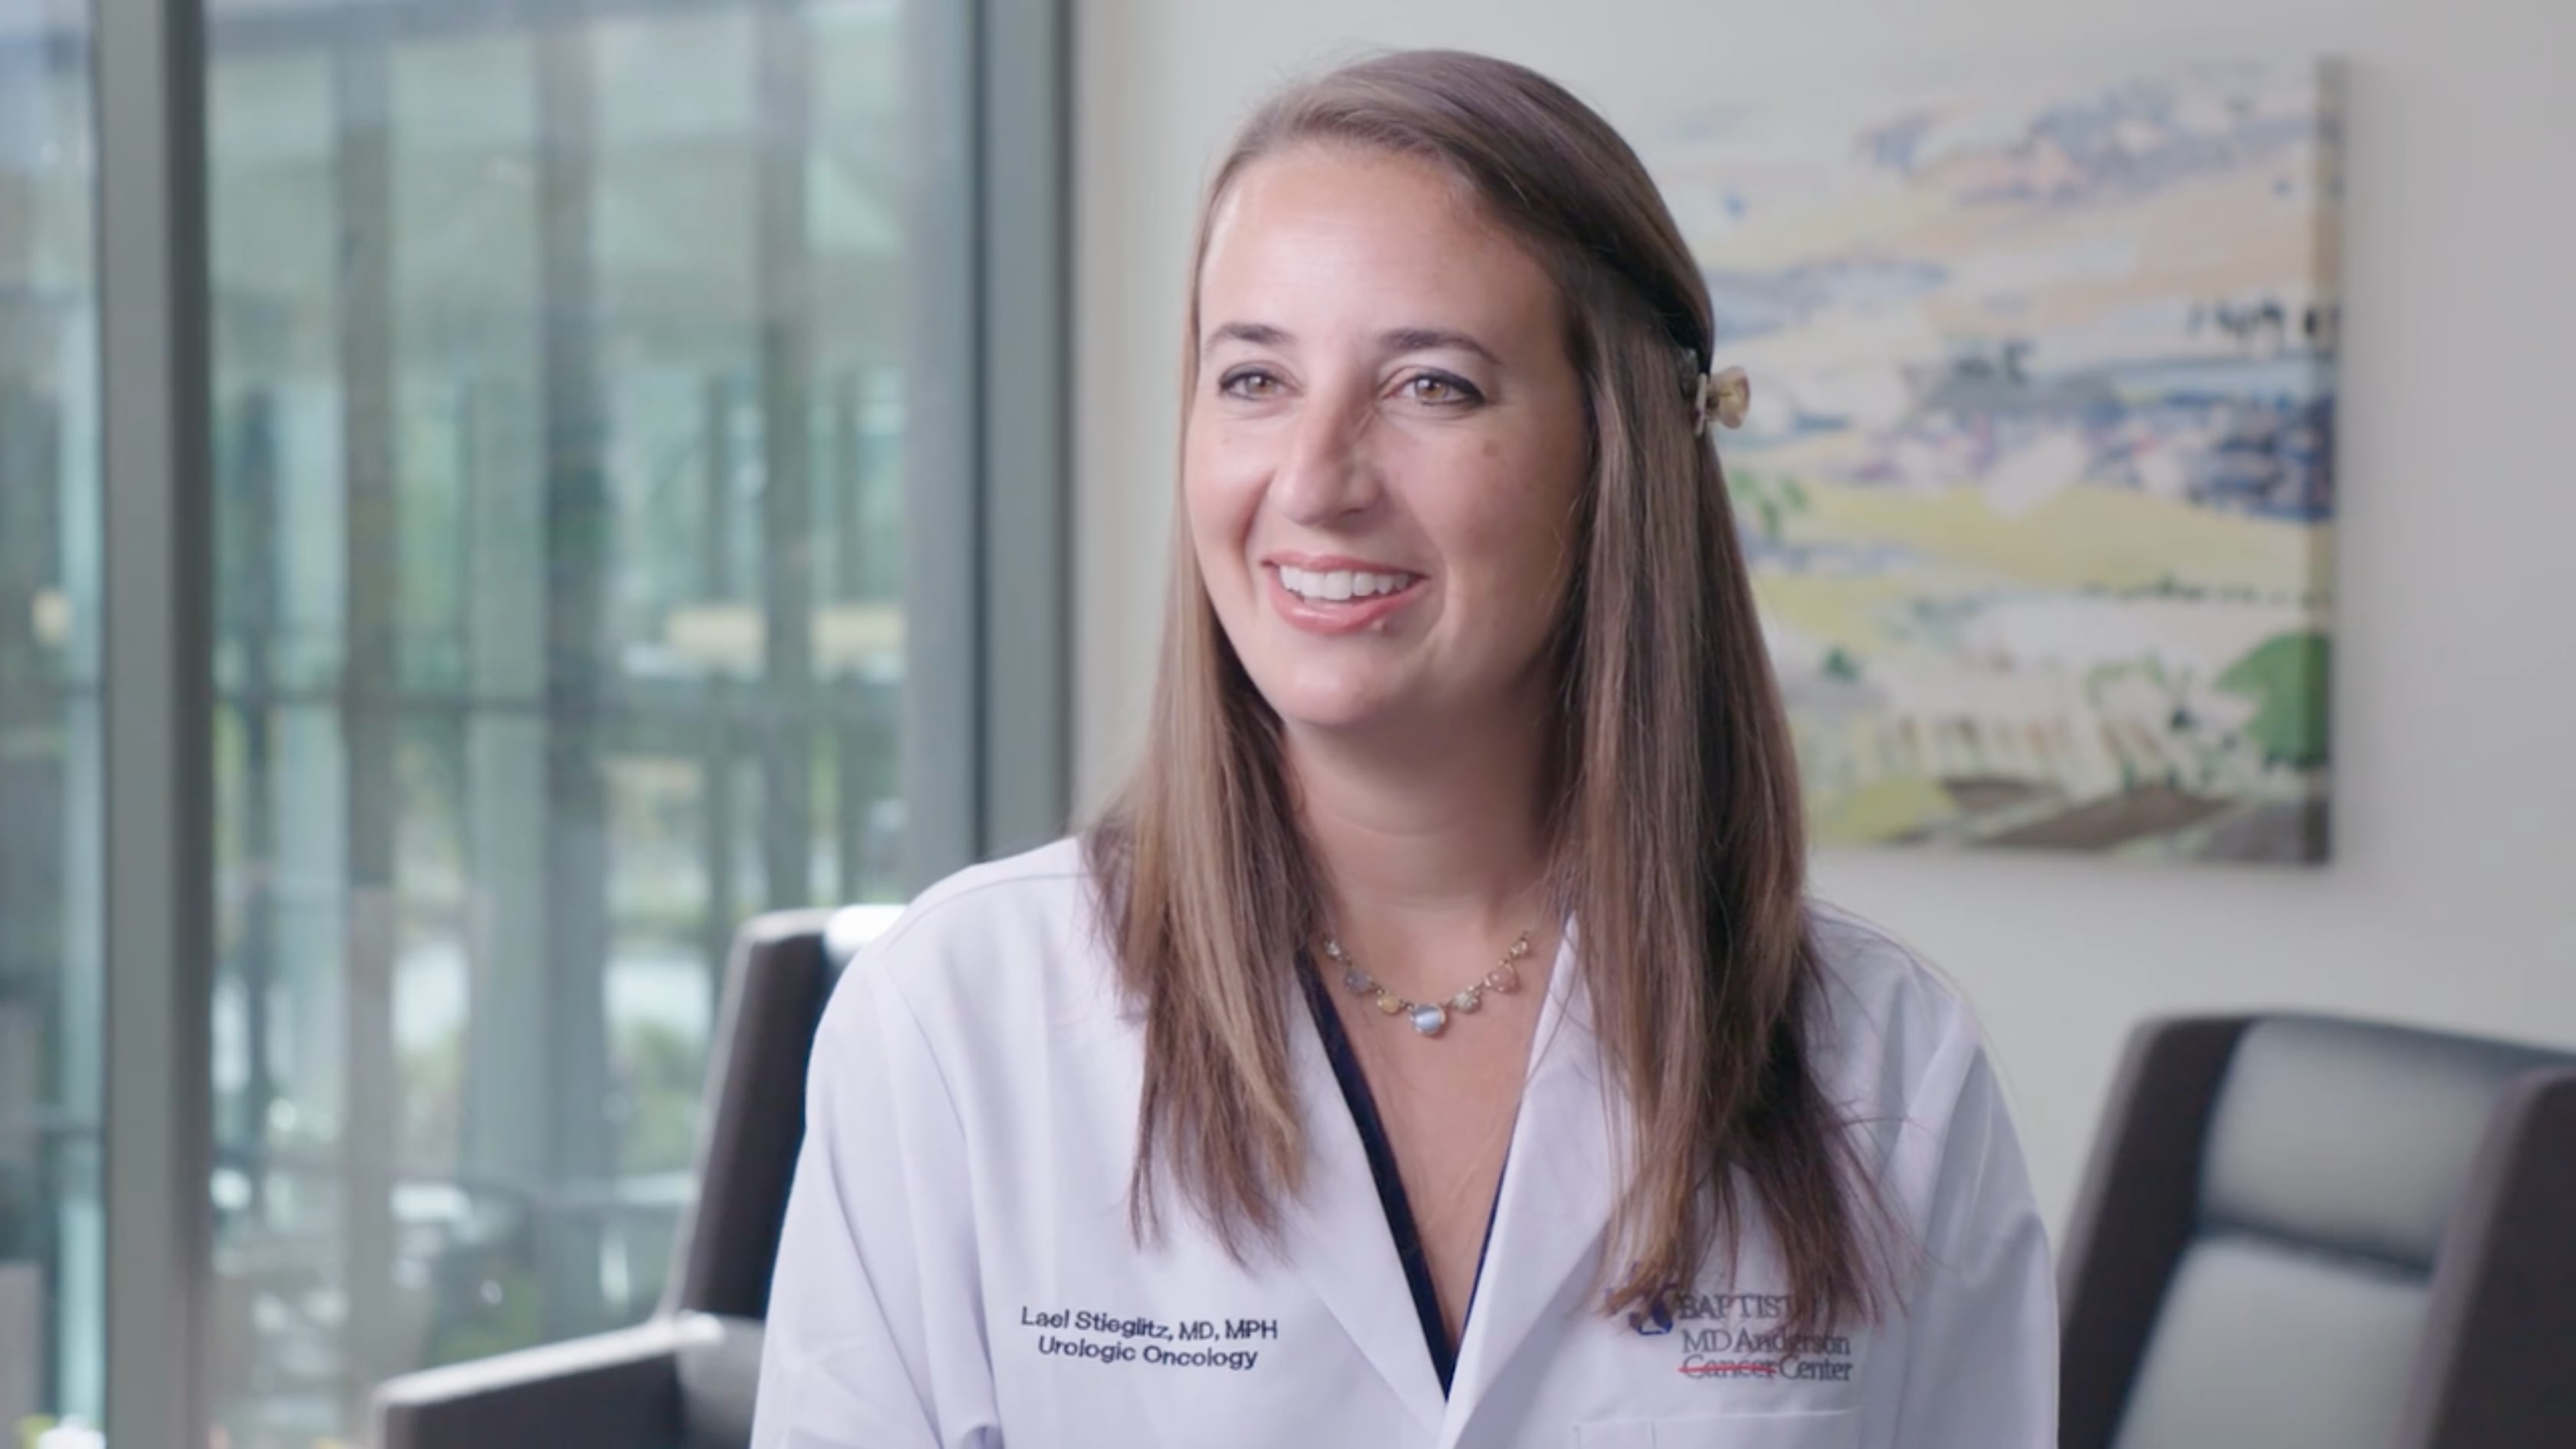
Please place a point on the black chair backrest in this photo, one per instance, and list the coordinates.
(775, 988)
(2283, 1231)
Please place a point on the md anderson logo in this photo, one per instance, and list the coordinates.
(1739, 1336)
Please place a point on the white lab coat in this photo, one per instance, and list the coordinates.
(957, 1267)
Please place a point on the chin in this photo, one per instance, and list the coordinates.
(1326, 704)
(1331, 715)
(1338, 723)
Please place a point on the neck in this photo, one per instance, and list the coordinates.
(1429, 839)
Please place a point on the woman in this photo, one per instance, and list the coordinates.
(1434, 1044)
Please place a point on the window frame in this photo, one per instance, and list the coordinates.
(986, 607)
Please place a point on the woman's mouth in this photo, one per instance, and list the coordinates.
(1338, 600)
(1318, 586)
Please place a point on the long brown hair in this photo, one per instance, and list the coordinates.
(1677, 842)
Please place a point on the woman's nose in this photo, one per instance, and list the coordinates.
(1328, 471)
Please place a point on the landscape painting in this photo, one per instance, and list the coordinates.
(2038, 479)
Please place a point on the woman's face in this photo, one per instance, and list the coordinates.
(1385, 446)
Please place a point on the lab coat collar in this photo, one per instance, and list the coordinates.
(1559, 1186)
(1338, 1240)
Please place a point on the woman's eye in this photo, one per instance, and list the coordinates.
(1250, 385)
(1439, 390)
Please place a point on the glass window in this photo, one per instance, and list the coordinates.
(52, 1234)
(558, 400)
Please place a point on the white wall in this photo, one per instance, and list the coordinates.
(2452, 898)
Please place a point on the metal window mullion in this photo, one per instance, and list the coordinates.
(157, 666)
(943, 712)
(782, 136)
(716, 757)
(1026, 621)
(370, 723)
(857, 734)
(580, 715)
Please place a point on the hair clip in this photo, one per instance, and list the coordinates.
(1729, 391)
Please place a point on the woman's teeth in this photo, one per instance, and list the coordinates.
(1339, 584)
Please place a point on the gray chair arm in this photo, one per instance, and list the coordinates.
(2141, 1195)
(614, 1391)
(719, 1381)
(2503, 1304)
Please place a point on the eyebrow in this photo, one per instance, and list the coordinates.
(1257, 334)
(1400, 339)
(1436, 339)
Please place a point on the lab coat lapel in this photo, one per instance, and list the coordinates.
(1558, 1188)
(1339, 1241)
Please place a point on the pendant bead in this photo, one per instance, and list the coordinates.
(1428, 1018)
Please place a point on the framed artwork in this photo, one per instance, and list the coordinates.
(2038, 478)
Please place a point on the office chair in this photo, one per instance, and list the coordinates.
(2298, 1232)
(684, 1379)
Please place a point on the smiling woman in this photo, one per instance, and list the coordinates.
(1438, 1022)
(1384, 394)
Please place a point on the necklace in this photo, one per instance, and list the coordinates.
(1431, 1017)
